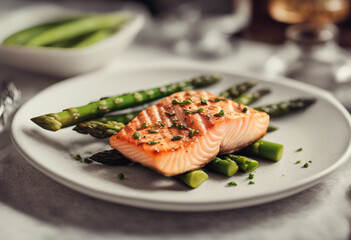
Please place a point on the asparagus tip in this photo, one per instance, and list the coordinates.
(47, 122)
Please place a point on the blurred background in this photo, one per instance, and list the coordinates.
(307, 40)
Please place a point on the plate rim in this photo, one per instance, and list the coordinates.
(272, 195)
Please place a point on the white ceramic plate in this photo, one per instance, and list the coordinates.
(323, 131)
(56, 61)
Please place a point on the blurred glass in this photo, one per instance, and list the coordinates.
(200, 28)
(310, 53)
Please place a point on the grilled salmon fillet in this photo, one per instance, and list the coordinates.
(188, 129)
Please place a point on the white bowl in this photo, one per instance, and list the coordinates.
(55, 61)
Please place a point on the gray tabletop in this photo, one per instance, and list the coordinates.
(33, 206)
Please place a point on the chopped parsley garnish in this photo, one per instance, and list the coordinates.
(203, 102)
(305, 165)
(310, 161)
(220, 113)
(144, 125)
(297, 162)
(245, 110)
(178, 137)
(152, 131)
(232, 184)
(136, 135)
(251, 175)
(152, 142)
(179, 126)
(120, 176)
(185, 102)
(170, 114)
(299, 150)
(251, 182)
(192, 132)
(200, 110)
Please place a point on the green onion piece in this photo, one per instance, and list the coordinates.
(136, 135)
(220, 113)
(251, 175)
(305, 165)
(310, 161)
(297, 162)
(251, 182)
(170, 114)
(178, 137)
(152, 142)
(245, 110)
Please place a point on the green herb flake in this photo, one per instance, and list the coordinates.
(220, 113)
(185, 102)
(297, 162)
(192, 132)
(298, 150)
(251, 175)
(245, 110)
(170, 114)
(179, 126)
(178, 137)
(232, 184)
(136, 135)
(78, 158)
(251, 182)
(87, 160)
(120, 176)
(305, 165)
(310, 161)
(203, 102)
(152, 142)
(152, 131)
(144, 125)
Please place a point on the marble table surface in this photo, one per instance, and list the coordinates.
(33, 206)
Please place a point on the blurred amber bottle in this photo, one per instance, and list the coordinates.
(272, 17)
(298, 11)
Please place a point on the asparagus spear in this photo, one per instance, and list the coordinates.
(121, 118)
(25, 35)
(251, 97)
(77, 28)
(271, 128)
(110, 157)
(224, 166)
(71, 116)
(93, 38)
(264, 149)
(99, 129)
(286, 106)
(244, 163)
(239, 89)
(113, 158)
(193, 178)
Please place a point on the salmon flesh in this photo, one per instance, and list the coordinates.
(188, 129)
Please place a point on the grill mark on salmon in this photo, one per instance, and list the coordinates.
(216, 134)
